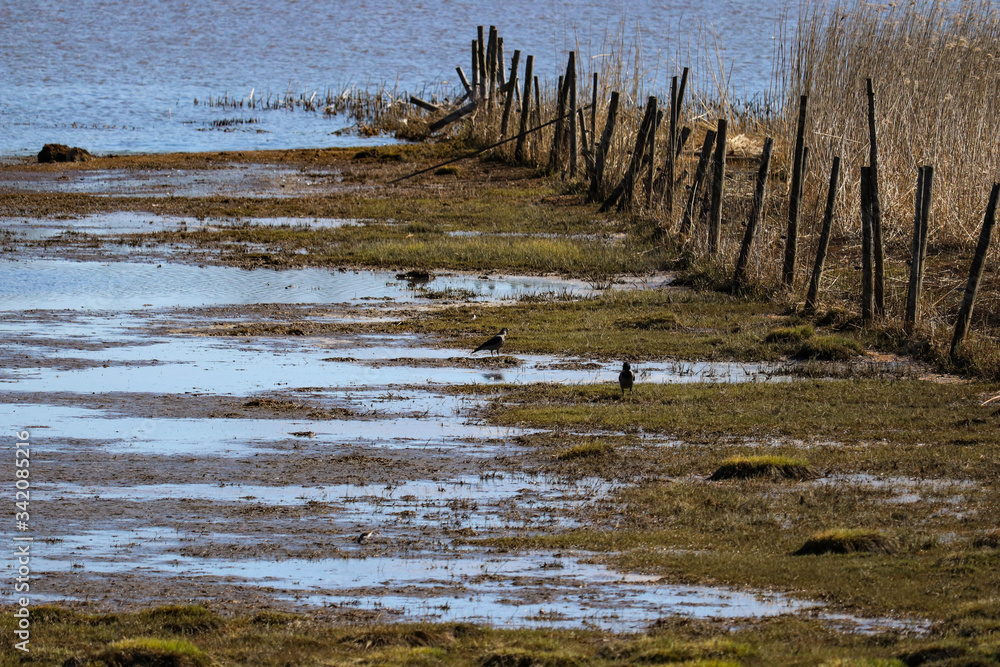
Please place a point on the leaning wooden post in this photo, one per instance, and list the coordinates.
(718, 186)
(509, 98)
(791, 236)
(925, 217)
(469, 90)
(824, 237)
(525, 109)
(975, 273)
(640, 148)
(867, 296)
(699, 176)
(739, 277)
(651, 150)
(913, 292)
(600, 159)
(876, 206)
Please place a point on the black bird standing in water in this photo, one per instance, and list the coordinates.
(626, 379)
(493, 344)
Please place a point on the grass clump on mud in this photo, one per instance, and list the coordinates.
(770, 467)
(847, 541)
(127, 639)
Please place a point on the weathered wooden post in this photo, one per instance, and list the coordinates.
(792, 233)
(975, 273)
(525, 109)
(867, 295)
(739, 277)
(651, 157)
(912, 293)
(557, 139)
(699, 176)
(824, 237)
(597, 184)
(469, 90)
(509, 97)
(571, 100)
(876, 206)
(718, 187)
(475, 69)
(491, 67)
(593, 116)
(481, 60)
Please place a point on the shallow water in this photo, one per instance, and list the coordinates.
(122, 78)
(128, 285)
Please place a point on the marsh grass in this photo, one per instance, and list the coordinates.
(92, 639)
(845, 411)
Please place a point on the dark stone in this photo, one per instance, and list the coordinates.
(63, 153)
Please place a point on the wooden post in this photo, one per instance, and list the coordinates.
(925, 217)
(593, 116)
(718, 187)
(668, 167)
(571, 87)
(536, 146)
(867, 295)
(824, 237)
(501, 77)
(791, 237)
(491, 67)
(626, 184)
(509, 98)
(557, 139)
(699, 176)
(975, 273)
(416, 101)
(739, 277)
(597, 184)
(876, 206)
(529, 63)
(913, 292)
(481, 61)
(475, 70)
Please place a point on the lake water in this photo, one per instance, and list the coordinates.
(120, 77)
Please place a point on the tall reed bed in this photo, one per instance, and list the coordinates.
(936, 72)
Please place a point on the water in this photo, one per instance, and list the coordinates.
(118, 77)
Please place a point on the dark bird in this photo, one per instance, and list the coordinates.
(626, 379)
(365, 536)
(493, 344)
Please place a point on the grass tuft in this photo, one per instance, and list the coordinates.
(770, 467)
(830, 348)
(182, 619)
(152, 652)
(847, 540)
(586, 450)
(790, 334)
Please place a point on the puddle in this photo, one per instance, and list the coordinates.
(128, 222)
